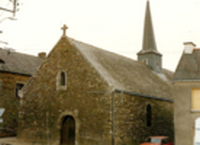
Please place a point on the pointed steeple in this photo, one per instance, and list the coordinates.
(149, 43)
(149, 53)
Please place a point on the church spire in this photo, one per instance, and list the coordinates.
(149, 43)
(149, 53)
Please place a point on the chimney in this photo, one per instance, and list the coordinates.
(42, 55)
(189, 46)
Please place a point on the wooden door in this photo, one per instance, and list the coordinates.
(68, 131)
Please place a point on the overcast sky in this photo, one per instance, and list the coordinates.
(114, 25)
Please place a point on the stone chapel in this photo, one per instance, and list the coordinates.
(84, 95)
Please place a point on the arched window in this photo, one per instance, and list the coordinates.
(148, 115)
(62, 79)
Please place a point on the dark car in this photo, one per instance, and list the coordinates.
(157, 140)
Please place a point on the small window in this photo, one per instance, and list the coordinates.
(19, 87)
(153, 140)
(1, 61)
(197, 131)
(148, 115)
(145, 61)
(62, 79)
(61, 82)
(196, 99)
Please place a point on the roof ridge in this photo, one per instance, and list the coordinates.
(105, 50)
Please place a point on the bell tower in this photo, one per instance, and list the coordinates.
(149, 53)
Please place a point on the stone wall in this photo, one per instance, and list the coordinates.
(9, 101)
(86, 98)
(131, 120)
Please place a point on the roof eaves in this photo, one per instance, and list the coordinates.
(149, 51)
(142, 95)
(19, 73)
(186, 80)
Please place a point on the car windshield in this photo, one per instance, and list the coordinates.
(153, 140)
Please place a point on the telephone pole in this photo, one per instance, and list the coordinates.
(14, 10)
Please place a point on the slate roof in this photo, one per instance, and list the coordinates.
(19, 63)
(188, 67)
(126, 74)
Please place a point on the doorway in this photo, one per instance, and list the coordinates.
(68, 131)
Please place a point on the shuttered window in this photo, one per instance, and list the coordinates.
(196, 99)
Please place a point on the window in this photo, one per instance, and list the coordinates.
(0, 85)
(61, 82)
(196, 99)
(148, 115)
(62, 79)
(145, 61)
(197, 132)
(153, 140)
(19, 87)
(1, 62)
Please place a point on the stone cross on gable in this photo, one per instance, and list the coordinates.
(64, 28)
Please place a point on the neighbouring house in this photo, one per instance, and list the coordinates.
(85, 95)
(15, 70)
(186, 83)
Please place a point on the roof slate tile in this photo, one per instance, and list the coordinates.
(126, 74)
(15, 62)
(188, 67)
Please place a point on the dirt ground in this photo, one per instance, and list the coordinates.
(10, 141)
